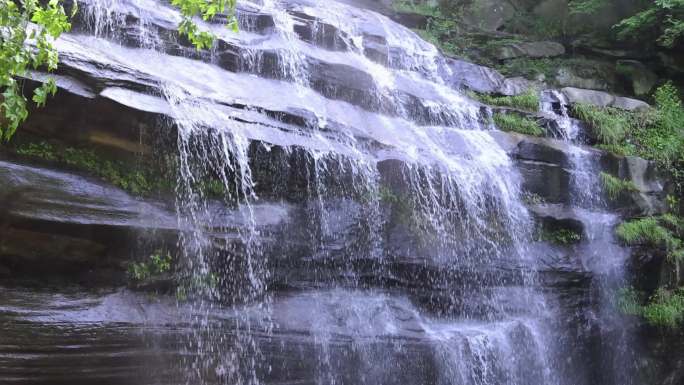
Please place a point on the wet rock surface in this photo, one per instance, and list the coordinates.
(390, 232)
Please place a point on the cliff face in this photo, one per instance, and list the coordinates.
(326, 202)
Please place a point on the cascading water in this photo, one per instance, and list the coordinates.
(600, 251)
(585, 182)
(407, 258)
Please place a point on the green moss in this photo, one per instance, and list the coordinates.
(664, 232)
(136, 181)
(41, 150)
(528, 101)
(519, 124)
(561, 236)
(439, 31)
(616, 187)
(403, 210)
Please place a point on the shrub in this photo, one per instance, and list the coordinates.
(519, 124)
(615, 187)
(660, 134)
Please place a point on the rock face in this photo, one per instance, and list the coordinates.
(58, 221)
(369, 224)
(484, 79)
(643, 79)
(602, 99)
(537, 49)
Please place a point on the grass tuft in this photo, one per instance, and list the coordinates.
(609, 125)
(615, 187)
(665, 309)
(519, 124)
(650, 231)
(528, 101)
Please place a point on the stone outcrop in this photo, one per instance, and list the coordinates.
(602, 99)
(539, 49)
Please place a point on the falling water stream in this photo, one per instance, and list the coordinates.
(407, 258)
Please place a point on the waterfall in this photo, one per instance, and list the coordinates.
(584, 175)
(600, 251)
(407, 255)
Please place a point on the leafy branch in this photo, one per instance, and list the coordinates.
(206, 9)
(23, 22)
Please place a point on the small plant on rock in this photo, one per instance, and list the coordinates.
(665, 308)
(616, 187)
(158, 263)
(563, 237)
(609, 125)
(519, 124)
(528, 101)
(660, 232)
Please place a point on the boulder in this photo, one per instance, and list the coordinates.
(630, 104)
(557, 217)
(539, 49)
(642, 78)
(489, 15)
(649, 197)
(602, 99)
(485, 80)
(542, 152)
(475, 77)
(517, 86)
(568, 77)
